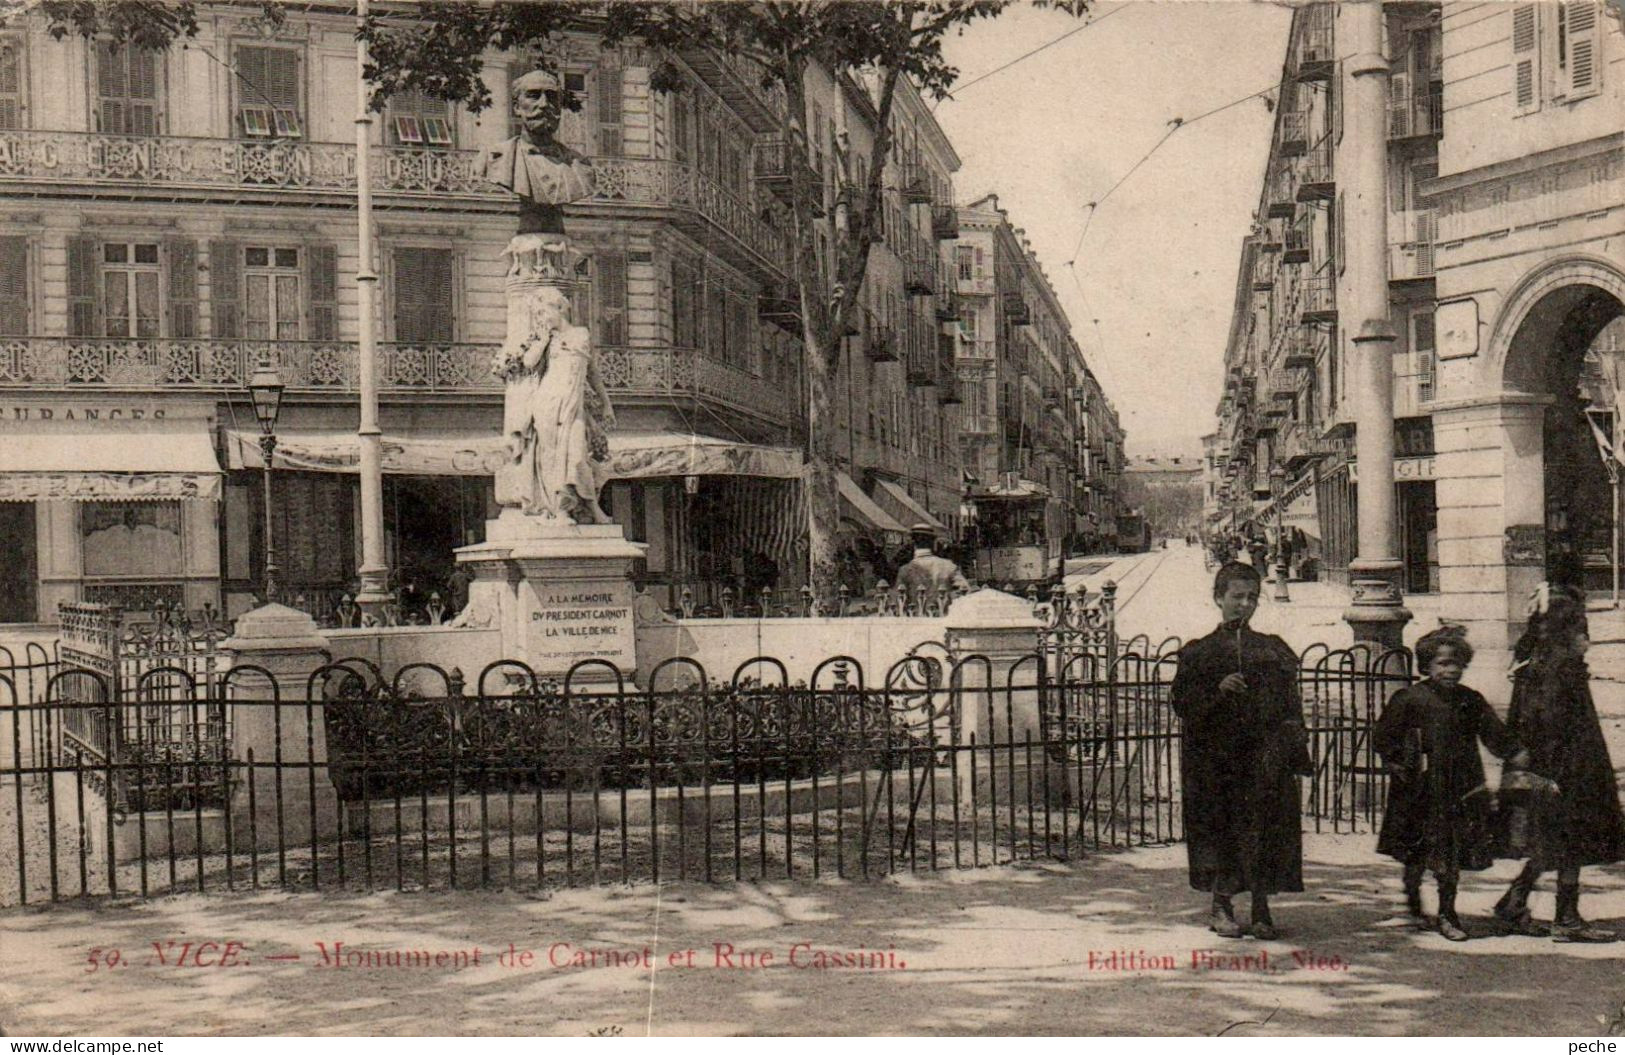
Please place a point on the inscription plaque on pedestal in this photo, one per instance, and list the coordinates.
(566, 623)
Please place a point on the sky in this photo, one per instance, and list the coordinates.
(1157, 263)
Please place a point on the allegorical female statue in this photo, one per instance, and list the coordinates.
(556, 414)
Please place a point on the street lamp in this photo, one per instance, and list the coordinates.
(1278, 490)
(265, 388)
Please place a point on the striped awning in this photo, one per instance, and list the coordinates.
(906, 508)
(860, 509)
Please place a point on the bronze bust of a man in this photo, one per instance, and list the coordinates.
(543, 172)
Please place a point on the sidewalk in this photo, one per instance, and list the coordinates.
(1115, 943)
(1176, 601)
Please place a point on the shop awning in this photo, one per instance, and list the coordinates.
(861, 508)
(632, 455)
(896, 500)
(130, 464)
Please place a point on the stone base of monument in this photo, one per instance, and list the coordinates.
(561, 594)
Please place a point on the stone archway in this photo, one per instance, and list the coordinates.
(1544, 346)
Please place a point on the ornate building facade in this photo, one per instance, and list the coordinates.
(174, 219)
(1499, 152)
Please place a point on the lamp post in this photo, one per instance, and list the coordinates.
(1278, 490)
(265, 388)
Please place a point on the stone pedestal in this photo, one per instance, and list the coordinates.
(293, 797)
(1000, 699)
(561, 594)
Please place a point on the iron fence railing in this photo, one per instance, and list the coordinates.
(428, 779)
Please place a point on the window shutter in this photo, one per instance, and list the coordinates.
(1585, 42)
(13, 285)
(141, 112)
(1525, 57)
(609, 280)
(226, 289)
(1341, 241)
(11, 85)
(321, 292)
(609, 105)
(680, 125)
(682, 305)
(180, 259)
(1422, 343)
(82, 303)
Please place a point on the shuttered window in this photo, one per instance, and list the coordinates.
(609, 87)
(11, 84)
(180, 262)
(1422, 346)
(321, 282)
(609, 297)
(685, 306)
(269, 101)
(424, 285)
(419, 119)
(1526, 57)
(682, 127)
(1579, 43)
(13, 285)
(126, 90)
(226, 289)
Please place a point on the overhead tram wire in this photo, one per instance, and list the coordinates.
(1177, 124)
(1027, 55)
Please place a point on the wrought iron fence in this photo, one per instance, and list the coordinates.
(428, 779)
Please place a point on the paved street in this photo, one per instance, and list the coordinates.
(1015, 949)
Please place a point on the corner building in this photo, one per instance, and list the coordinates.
(172, 219)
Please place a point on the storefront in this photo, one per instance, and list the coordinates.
(110, 501)
(713, 513)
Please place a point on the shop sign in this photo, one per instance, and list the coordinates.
(108, 487)
(1406, 470)
(76, 414)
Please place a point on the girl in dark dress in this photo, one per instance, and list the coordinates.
(1242, 745)
(1553, 715)
(1439, 815)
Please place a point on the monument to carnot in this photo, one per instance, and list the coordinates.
(553, 571)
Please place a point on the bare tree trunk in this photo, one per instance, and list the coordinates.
(823, 497)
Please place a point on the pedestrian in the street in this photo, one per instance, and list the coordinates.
(1242, 748)
(1439, 816)
(1553, 715)
(1258, 551)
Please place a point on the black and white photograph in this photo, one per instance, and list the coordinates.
(849, 518)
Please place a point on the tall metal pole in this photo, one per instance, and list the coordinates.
(1377, 614)
(374, 594)
(267, 453)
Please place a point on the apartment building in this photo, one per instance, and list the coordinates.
(171, 220)
(1035, 419)
(1501, 161)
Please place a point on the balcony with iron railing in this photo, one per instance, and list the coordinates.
(1281, 190)
(187, 169)
(1315, 179)
(944, 222)
(318, 368)
(1299, 235)
(1264, 266)
(1317, 297)
(1313, 56)
(1015, 309)
(1294, 133)
(921, 264)
(1414, 111)
(880, 343)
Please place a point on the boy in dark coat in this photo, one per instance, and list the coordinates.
(1439, 815)
(1242, 745)
(1553, 715)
